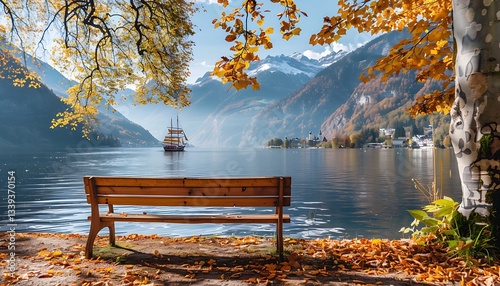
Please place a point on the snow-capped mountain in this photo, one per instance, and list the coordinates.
(292, 65)
(217, 115)
(233, 110)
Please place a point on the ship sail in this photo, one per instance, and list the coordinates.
(174, 140)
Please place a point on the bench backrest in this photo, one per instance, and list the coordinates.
(202, 192)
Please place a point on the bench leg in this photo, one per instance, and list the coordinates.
(111, 226)
(94, 230)
(279, 240)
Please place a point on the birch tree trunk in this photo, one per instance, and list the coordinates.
(475, 115)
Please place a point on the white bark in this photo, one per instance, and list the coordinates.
(476, 111)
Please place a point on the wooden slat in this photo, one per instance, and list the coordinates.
(193, 191)
(190, 182)
(179, 201)
(192, 201)
(259, 218)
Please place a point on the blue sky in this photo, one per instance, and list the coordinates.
(210, 43)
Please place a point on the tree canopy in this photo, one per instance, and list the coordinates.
(108, 45)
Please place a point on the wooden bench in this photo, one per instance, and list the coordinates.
(271, 192)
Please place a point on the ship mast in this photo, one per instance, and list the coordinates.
(171, 133)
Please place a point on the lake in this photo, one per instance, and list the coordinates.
(337, 193)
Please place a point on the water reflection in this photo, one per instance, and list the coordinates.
(336, 192)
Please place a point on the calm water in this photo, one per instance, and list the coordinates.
(335, 192)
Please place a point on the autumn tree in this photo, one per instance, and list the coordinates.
(106, 46)
(464, 57)
(453, 42)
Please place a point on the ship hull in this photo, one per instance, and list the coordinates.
(171, 148)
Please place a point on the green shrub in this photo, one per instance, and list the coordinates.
(442, 223)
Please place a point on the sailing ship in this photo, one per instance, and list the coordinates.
(176, 139)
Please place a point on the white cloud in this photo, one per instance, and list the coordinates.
(335, 47)
(315, 55)
(205, 64)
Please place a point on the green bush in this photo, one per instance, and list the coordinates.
(442, 223)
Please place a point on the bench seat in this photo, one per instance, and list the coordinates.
(236, 218)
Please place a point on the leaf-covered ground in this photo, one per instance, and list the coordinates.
(57, 259)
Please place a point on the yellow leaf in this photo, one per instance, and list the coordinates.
(377, 242)
(287, 36)
(296, 31)
(43, 253)
(253, 49)
(57, 253)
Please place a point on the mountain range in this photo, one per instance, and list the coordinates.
(217, 115)
(335, 102)
(27, 113)
(298, 96)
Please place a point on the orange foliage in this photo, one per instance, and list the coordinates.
(247, 39)
(428, 48)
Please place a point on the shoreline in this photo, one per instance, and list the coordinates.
(57, 259)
